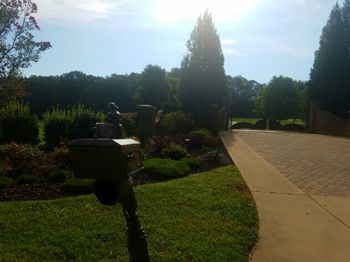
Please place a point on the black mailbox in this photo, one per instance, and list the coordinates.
(112, 159)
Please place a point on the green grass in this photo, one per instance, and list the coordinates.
(248, 120)
(203, 217)
(283, 122)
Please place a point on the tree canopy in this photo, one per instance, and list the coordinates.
(154, 87)
(282, 98)
(203, 81)
(18, 49)
(67, 90)
(243, 93)
(330, 75)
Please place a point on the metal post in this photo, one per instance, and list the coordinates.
(136, 236)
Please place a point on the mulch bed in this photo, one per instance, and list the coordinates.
(36, 191)
(44, 191)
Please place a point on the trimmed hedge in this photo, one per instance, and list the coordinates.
(200, 138)
(61, 125)
(18, 125)
(242, 125)
(165, 168)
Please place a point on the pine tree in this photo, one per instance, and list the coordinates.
(203, 82)
(328, 77)
(346, 19)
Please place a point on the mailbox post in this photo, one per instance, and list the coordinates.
(110, 161)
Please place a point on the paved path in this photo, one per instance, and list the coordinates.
(301, 184)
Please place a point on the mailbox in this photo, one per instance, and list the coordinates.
(107, 159)
(110, 162)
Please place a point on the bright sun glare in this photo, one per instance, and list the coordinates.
(171, 12)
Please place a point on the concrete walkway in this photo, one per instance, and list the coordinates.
(301, 219)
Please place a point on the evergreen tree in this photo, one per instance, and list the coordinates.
(330, 73)
(203, 81)
(346, 19)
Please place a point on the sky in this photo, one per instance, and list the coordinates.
(259, 38)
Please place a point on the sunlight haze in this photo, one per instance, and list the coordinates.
(259, 38)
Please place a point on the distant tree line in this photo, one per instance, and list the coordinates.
(67, 90)
(153, 86)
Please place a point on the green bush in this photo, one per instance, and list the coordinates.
(166, 168)
(17, 124)
(82, 122)
(174, 151)
(59, 176)
(5, 182)
(55, 126)
(201, 137)
(193, 162)
(61, 125)
(213, 156)
(18, 159)
(177, 122)
(158, 143)
(27, 179)
(75, 186)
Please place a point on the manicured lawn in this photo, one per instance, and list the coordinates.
(248, 120)
(283, 122)
(203, 217)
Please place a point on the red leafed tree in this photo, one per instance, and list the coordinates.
(18, 48)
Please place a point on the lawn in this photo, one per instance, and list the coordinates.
(204, 217)
(283, 122)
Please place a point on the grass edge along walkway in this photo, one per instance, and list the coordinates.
(204, 217)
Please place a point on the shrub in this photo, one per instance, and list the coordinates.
(274, 125)
(212, 156)
(177, 122)
(5, 182)
(166, 168)
(158, 143)
(55, 126)
(242, 125)
(82, 121)
(79, 122)
(18, 159)
(193, 162)
(174, 151)
(75, 186)
(17, 124)
(201, 137)
(27, 179)
(59, 176)
(61, 157)
(262, 124)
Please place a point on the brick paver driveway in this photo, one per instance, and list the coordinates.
(318, 165)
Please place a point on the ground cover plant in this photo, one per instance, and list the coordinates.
(204, 217)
